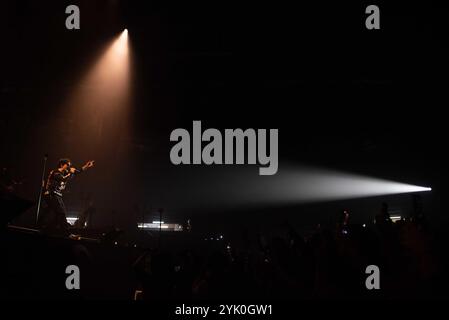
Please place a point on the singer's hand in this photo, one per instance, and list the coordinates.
(89, 164)
(72, 170)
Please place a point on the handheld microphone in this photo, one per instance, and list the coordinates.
(76, 170)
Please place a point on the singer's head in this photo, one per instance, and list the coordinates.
(64, 164)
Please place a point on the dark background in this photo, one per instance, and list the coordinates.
(342, 97)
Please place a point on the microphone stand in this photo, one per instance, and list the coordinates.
(41, 188)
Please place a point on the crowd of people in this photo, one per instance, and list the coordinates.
(330, 263)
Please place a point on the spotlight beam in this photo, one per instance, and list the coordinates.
(290, 186)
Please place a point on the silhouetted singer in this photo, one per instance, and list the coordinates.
(53, 218)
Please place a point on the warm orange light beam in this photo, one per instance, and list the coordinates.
(102, 97)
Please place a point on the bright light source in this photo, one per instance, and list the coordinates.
(292, 185)
(71, 220)
(158, 222)
(309, 184)
(99, 106)
(110, 76)
(157, 226)
(120, 46)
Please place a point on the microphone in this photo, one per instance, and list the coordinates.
(76, 170)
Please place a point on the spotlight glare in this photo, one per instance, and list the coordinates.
(305, 184)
